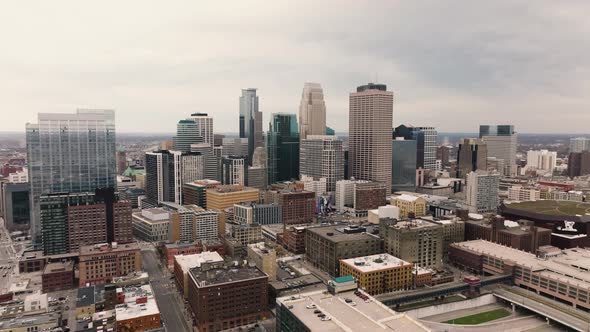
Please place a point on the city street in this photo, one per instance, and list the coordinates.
(7, 259)
(169, 301)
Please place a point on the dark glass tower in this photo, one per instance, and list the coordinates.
(283, 148)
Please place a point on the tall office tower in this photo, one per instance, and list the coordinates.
(209, 160)
(204, 126)
(218, 139)
(425, 138)
(541, 160)
(321, 156)
(121, 160)
(167, 171)
(258, 172)
(69, 153)
(471, 156)
(579, 144)
(235, 147)
(283, 148)
(501, 141)
(312, 111)
(250, 121)
(443, 153)
(370, 121)
(235, 170)
(218, 153)
(482, 191)
(403, 165)
(578, 164)
(187, 133)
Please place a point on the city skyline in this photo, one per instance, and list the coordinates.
(493, 70)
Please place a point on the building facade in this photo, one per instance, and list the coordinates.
(471, 156)
(377, 274)
(425, 138)
(416, 241)
(85, 142)
(283, 148)
(322, 157)
(403, 165)
(99, 264)
(482, 191)
(501, 141)
(369, 142)
(312, 111)
(250, 121)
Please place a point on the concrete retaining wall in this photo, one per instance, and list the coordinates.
(447, 307)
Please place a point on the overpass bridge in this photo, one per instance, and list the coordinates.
(564, 314)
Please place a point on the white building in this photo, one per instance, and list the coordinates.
(541, 160)
(151, 225)
(519, 193)
(206, 225)
(322, 156)
(318, 185)
(204, 125)
(387, 211)
(312, 111)
(482, 191)
(501, 141)
(19, 176)
(345, 194)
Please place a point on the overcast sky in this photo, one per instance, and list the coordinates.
(451, 64)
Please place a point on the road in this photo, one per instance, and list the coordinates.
(169, 302)
(7, 258)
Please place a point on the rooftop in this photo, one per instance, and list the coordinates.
(405, 198)
(132, 309)
(555, 208)
(336, 234)
(187, 262)
(228, 189)
(375, 262)
(22, 322)
(261, 249)
(371, 316)
(105, 247)
(413, 224)
(225, 275)
(59, 267)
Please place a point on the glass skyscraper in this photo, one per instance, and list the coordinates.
(250, 121)
(69, 153)
(283, 148)
(187, 133)
(403, 165)
(425, 138)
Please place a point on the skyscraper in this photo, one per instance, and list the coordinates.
(234, 170)
(250, 121)
(204, 126)
(501, 141)
(283, 148)
(312, 111)
(209, 160)
(541, 160)
(167, 171)
(187, 133)
(579, 144)
(370, 121)
(322, 157)
(425, 138)
(403, 165)
(471, 156)
(258, 172)
(69, 153)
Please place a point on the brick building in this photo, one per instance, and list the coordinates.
(101, 263)
(57, 276)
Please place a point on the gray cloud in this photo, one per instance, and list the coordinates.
(452, 64)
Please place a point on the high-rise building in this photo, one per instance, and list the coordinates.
(250, 120)
(283, 148)
(541, 160)
(322, 157)
(403, 165)
(579, 144)
(258, 172)
(235, 147)
(578, 164)
(121, 160)
(167, 171)
(501, 141)
(425, 138)
(187, 133)
(312, 111)
(209, 160)
(443, 153)
(471, 156)
(234, 170)
(15, 206)
(72, 220)
(482, 191)
(261, 214)
(194, 193)
(370, 121)
(69, 153)
(204, 127)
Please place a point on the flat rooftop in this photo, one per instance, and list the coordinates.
(59, 267)
(335, 234)
(22, 322)
(372, 316)
(261, 249)
(130, 309)
(375, 262)
(550, 207)
(225, 275)
(100, 248)
(187, 262)
(414, 224)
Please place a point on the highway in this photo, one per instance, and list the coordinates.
(169, 301)
(568, 316)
